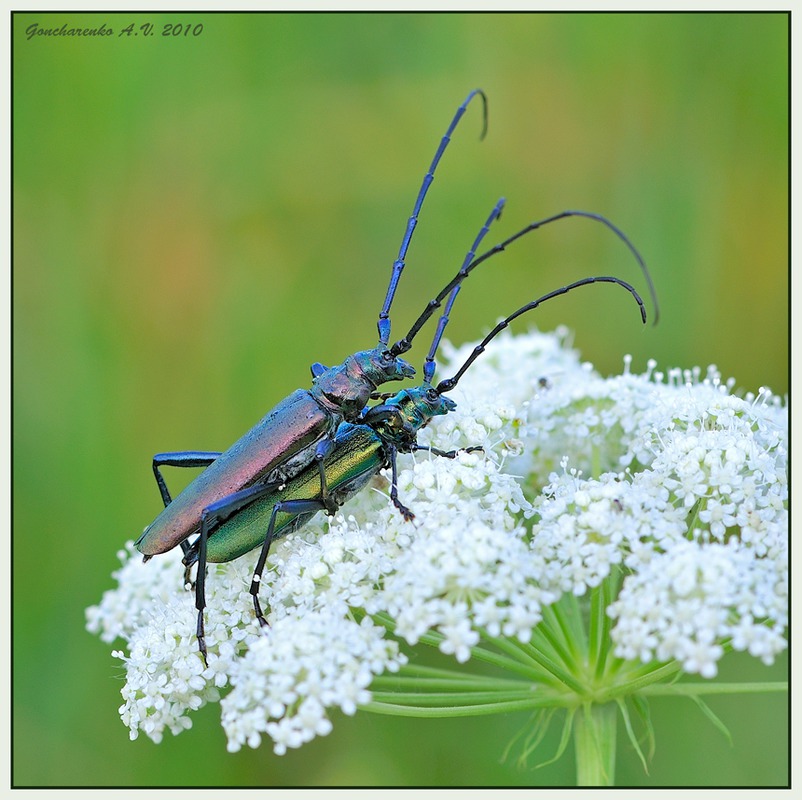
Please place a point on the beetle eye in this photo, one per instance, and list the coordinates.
(432, 396)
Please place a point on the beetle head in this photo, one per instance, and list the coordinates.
(421, 403)
(380, 365)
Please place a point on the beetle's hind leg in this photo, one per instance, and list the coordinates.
(288, 507)
(214, 515)
(181, 458)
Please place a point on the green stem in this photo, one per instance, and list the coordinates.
(454, 698)
(402, 680)
(694, 513)
(594, 740)
(600, 622)
(595, 461)
(397, 710)
(424, 671)
(556, 631)
(433, 640)
(694, 689)
(551, 669)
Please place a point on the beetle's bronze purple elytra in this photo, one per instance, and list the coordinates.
(300, 430)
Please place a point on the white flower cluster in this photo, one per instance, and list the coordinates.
(676, 482)
(697, 516)
(153, 611)
(284, 685)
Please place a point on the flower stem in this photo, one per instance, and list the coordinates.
(594, 740)
(693, 689)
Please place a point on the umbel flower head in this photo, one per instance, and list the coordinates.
(652, 507)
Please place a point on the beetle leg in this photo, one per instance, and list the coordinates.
(288, 507)
(444, 453)
(325, 446)
(405, 512)
(213, 515)
(385, 415)
(393, 452)
(183, 458)
(391, 424)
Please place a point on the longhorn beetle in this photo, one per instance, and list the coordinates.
(261, 514)
(360, 452)
(300, 431)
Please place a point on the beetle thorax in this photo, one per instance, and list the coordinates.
(344, 389)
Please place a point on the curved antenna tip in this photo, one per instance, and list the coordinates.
(481, 94)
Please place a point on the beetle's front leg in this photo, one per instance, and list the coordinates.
(404, 511)
(387, 416)
(447, 453)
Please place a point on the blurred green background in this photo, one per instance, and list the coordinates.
(196, 220)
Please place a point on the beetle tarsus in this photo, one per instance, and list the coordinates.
(202, 640)
(263, 623)
(403, 510)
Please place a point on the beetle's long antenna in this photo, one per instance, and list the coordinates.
(398, 265)
(429, 366)
(449, 383)
(402, 345)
